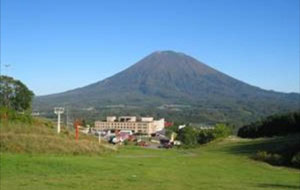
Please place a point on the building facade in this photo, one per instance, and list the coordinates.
(146, 125)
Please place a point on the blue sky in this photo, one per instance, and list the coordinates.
(58, 45)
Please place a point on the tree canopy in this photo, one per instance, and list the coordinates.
(14, 94)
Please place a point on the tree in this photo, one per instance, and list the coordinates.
(14, 94)
(222, 130)
(188, 136)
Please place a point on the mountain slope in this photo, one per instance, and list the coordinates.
(168, 78)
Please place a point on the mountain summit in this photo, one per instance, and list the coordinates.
(175, 84)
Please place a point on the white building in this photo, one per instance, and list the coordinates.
(146, 125)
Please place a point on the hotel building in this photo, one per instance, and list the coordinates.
(145, 125)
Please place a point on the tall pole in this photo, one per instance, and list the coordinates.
(58, 123)
(58, 111)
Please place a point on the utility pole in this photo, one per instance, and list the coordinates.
(58, 111)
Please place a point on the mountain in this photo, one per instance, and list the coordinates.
(175, 86)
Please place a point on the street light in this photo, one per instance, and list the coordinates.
(58, 111)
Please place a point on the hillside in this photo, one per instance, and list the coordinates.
(176, 86)
(40, 137)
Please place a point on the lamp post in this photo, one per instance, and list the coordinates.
(58, 111)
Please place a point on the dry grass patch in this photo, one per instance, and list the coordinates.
(40, 137)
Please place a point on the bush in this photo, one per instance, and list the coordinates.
(12, 115)
(261, 155)
(274, 159)
(188, 136)
(296, 160)
(221, 131)
(126, 142)
(205, 136)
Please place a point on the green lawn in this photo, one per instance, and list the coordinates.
(221, 165)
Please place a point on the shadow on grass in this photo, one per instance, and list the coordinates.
(279, 186)
(271, 145)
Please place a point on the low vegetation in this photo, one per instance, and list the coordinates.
(7, 114)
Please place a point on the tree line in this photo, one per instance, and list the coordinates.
(275, 125)
(191, 136)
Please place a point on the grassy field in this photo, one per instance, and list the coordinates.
(220, 165)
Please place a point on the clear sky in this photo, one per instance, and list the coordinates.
(58, 45)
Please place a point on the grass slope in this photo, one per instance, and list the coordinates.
(40, 137)
(219, 165)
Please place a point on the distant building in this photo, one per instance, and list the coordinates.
(145, 125)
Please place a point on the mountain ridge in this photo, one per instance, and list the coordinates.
(168, 77)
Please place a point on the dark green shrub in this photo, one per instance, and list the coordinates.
(7, 114)
(205, 136)
(188, 136)
(261, 155)
(126, 142)
(274, 159)
(296, 160)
